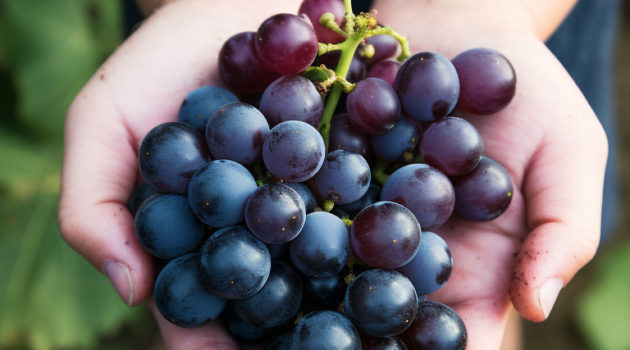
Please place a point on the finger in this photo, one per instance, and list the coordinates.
(210, 336)
(563, 193)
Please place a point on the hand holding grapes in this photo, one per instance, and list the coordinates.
(115, 111)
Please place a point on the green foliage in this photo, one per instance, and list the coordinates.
(50, 297)
(604, 312)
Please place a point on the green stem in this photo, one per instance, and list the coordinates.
(379, 173)
(404, 43)
(347, 4)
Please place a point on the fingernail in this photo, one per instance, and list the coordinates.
(548, 294)
(120, 276)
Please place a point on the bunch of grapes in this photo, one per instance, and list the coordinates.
(306, 223)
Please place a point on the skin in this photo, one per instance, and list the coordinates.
(548, 138)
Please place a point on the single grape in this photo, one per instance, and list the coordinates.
(430, 268)
(370, 197)
(139, 194)
(275, 213)
(170, 154)
(324, 292)
(428, 86)
(373, 106)
(426, 191)
(487, 80)
(234, 264)
(385, 69)
(181, 298)
(279, 342)
(218, 192)
(239, 328)
(452, 145)
(381, 303)
(314, 9)
(294, 151)
(166, 227)
(309, 199)
(240, 68)
(200, 103)
(277, 302)
(436, 327)
(343, 135)
(385, 46)
(379, 343)
(236, 132)
(286, 44)
(393, 144)
(292, 97)
(484, 193)
(325, 330)
(385, 235)
(343, 178)
(321, 249)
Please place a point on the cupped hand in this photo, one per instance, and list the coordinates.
(550, 141)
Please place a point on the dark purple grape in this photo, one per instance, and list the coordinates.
(343, 135)
(294, 151)
(279, 342)
(426, 191)
(166, 227)
(385, 235)
(436, 327)
(343, 178)
(392, 145)
(325, 330)
(278, 251)
(356, 72)
(218, 192)
(324, 293)
(385, 46)
(234, 263)
(378, 343)
(430, 268)
(200, 103)
(322, 248)
(239, 65)
(236, 132)
(292, 97)
(370, 197)
(181, 298)
(275, 213)
(373, 106)
(314, 9)
(286, 43)
(170, 154)
(385, 69)
(487, 80)
(139, 194)
(309, 199)
(484, 193)
(452, 145)
(428, 86)
(277, 302)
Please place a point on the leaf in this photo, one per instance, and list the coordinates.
(604, 311)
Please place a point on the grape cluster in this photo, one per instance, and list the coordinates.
(307, 224)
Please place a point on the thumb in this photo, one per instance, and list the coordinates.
(563, 194)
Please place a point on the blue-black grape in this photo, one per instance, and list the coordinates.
(381, 303)
(428, 86)
(294, 151)
(321, 249)
(236, 132)
(385, 235)
(235, 264)
(180, 296)
(325, 330)
(139, 194)
(484, 193)
(279, 342)
(277, 302)
(426, 191)
(379, 343)
(370, 197)
(240, 329)
(292, 97)
(392, 145)
(218, 192)
(166, 226)
(200, 103)
(373, 106)
(275, 213)
(431, 267)
(309, 199)
(343, 135)
(436, 327)
(343, 178)
(324, 293)
(170, 154)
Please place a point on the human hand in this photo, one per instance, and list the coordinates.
(140, 86)
(554, 148)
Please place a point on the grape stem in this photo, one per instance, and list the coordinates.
(379, 173)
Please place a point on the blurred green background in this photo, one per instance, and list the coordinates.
(50, 298)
